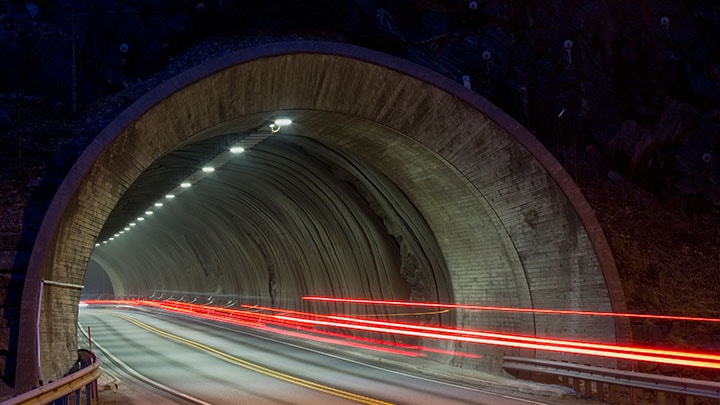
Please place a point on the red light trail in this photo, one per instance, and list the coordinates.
(508, 309)
(296, 320)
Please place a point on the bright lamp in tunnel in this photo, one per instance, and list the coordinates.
(208, 169)
(127, 228)
(170, 196)
(149, 212)
(279, 123)
(185, 184)
(237, 149)
(158, 204)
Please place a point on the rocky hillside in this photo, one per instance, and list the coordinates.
(626, 94)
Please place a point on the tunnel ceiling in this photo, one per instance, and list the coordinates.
(161, 178)
(335, 206)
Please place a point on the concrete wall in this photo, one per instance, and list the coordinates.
(511, 226)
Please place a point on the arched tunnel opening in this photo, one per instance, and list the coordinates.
(390, 183)
(286, 217)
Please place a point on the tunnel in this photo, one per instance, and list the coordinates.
(390, 182)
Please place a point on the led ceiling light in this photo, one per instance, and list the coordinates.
(158, 204)
(237, 149)
(170, 196)
(132, 224)
(279, 123)
(127, 228)
(149, 212)
(185, 184)
(208, 169)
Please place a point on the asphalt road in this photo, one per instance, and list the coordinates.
(194, 361)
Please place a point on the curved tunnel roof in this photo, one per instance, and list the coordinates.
(392, 182)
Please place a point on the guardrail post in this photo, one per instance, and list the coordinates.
(88, 394)
(689, 400)
(661, 398)
(588, 388)
(612, 393)
(600, 390)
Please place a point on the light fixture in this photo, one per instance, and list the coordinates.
(127, 228)
(111, 238)
(279, 123)
(104, 242)
(140, 218)
(121, 232)
(148, 212)
(132, 224)
(170, 196)
(185, 184)
(117, 234)
(237, 149)
(208, 169)
(97, 244)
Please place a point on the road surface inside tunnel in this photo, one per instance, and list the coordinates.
(206, 362)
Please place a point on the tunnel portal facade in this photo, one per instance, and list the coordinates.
(393, 182)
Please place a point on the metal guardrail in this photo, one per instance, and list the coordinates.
(62, 388)
(583, 375)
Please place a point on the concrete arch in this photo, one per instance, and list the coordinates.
(510, 226)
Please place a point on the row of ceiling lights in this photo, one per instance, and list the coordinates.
(274, 128)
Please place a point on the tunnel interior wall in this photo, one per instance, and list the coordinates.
(502, 220)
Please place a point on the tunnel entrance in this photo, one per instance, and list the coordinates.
(411, 171)
(285, 217)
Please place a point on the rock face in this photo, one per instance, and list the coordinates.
(630, 90)
(636, 82)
